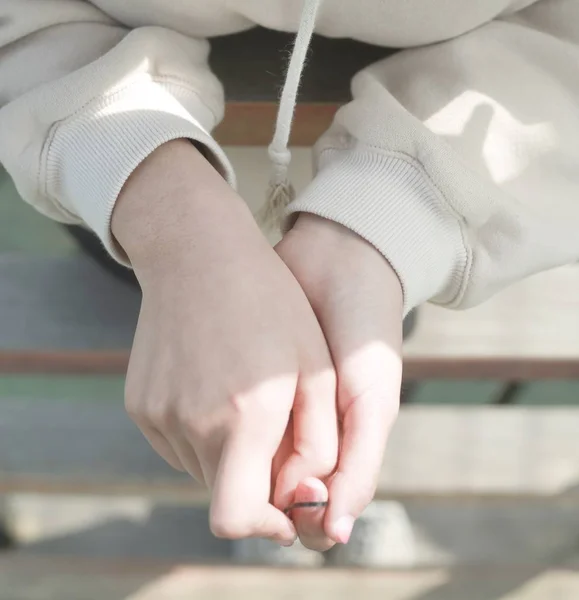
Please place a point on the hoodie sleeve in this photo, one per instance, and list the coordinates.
(84, 100)
(459, 161)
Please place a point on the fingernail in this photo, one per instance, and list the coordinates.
(343, 529)
(287, 544)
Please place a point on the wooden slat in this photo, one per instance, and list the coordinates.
(491, 452)
(252, 66)
(74, 578)
(68, 316)
(420, 533)
(252, 123)
(415, 368)
(484, 451)
(73, 362)
(528, 331)
(63, 315)
(63, 305)
(433, 366)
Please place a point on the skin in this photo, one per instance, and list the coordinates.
(270, 375)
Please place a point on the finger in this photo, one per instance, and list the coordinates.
(240, 507)
(309, 520)
(152, 425)
(187, 455)
(162, 430)
(366, 422)
(151, 421)
(284, 451)
(162, 447)
(315, 435)
(314, 453)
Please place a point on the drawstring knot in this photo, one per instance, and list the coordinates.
(281, 192)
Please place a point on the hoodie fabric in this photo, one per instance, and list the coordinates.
(457, 157)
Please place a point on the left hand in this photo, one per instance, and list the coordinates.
(358, 300)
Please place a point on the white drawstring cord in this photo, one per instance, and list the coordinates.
(281, 192)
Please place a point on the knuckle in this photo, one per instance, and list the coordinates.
(160, 415)
(230, 528)
(242, 405)
(133, 393)
(268, 400)
(133, 406)
(365, 495)
(325, 460)
(317, 461)
(205, 419)
(327, 464)
(379, 403)
(193, 425)
(146, 414)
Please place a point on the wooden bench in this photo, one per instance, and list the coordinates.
(72, 318)
(66, 315)
(253, 79)
(73, 579)
(528, 332)
(514, 453)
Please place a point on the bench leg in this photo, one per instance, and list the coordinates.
(510, 393)
(409, 389)
(6, 539)
(409, 324)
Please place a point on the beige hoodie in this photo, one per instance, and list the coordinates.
(458, 158)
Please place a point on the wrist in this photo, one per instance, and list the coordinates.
(159, 194)
(336, 255)
(171, 203)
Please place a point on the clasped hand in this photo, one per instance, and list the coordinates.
(271, 375)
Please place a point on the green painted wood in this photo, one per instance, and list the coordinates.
(48, 388)
(22, 229)
(455, 392)
(551, 393)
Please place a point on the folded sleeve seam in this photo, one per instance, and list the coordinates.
(104, 100)
(415, 162)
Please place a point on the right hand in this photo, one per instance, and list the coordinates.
(227, 348)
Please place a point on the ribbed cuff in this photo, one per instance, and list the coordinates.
(91, 156)
(389, 200)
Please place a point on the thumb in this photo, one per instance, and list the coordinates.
(367, 418)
